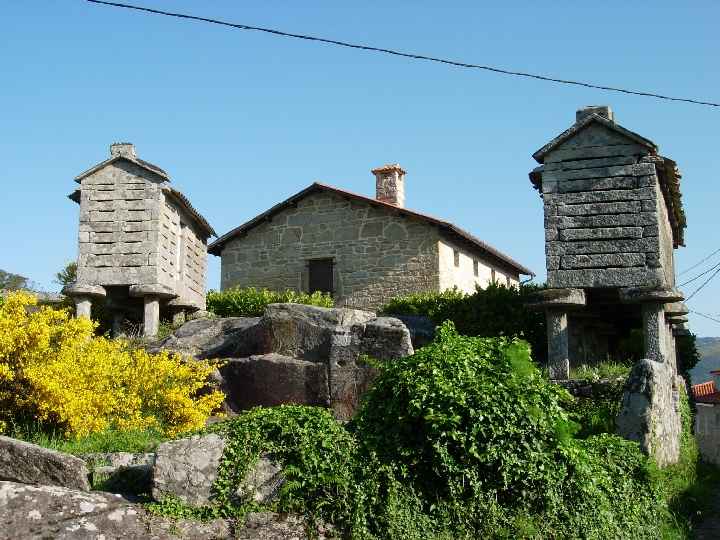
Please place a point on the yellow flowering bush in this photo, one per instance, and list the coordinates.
(53, 368)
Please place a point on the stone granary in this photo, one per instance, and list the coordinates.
(612, 219)
(141, 244)
(363, 251)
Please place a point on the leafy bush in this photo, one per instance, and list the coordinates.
(250, 302)
(464, 439)
(53, 370)
(494, 311)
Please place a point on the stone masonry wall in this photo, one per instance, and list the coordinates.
(602, 207)
(119, 212)
(463, 275)
(378, 254)
(182, 255)
(706, 432)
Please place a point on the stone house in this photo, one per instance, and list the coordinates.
(707, 421)
(141, 244)
(363, 251)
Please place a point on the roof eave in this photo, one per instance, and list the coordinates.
(139, 162)
(217, 246)
(582, 124)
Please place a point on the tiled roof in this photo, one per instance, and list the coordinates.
(217, 246)
(703, 389)
(710, 399)
(388, 168)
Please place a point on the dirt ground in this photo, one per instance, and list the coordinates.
(709, 528)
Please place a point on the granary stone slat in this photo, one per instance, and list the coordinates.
(625, 207)
(591, 184)
(613, 260)
(581, 247)
(640, 219)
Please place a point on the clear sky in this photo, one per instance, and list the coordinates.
(241, 120)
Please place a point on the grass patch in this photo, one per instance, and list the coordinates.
(112, 440)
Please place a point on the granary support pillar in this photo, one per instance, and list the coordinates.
(151, 315)
(558, 343)
(83, 293)
(83, 303)
(655, 301)
(557, 303)
(655, 331)
(151, 295)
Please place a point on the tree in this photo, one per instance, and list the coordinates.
(14, 282)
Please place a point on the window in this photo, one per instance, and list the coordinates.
(456, 258)
(507, 281)
(475, 268)
(492, 275)
(321, 276)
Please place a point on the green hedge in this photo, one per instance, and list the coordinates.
(494, 311)
(250, 302)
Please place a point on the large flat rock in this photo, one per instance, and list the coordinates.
(31, 464)
(40, 512)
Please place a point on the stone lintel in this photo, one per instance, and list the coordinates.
(84, 289)
(681, 332)
(557, 298)
(180, 302)
(650, 293)
(155, 289)
(675, 319)
(676, 309)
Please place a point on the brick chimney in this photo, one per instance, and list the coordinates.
(125, 149)
(390, 185)
(602, 110)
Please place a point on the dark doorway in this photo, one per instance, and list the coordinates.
(321, 276)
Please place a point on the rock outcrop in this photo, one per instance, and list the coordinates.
(649, 413)
(31, 464)
(297, 354)
(187, 468)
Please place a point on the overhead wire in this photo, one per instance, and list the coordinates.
(699, 275)
(698, 264)
(701, 286)
(402, 54)
(704, 315)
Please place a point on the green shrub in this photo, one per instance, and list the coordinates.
(464, 439)
(250, 302)
(494, 311)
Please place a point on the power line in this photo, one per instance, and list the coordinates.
(701, 286)
(405, 55)
(700, 275)
(703, 315)
(698, 264)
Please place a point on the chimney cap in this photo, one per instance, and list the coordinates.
(122, 149)
(389, 168)
(601, 110)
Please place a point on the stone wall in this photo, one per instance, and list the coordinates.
(119, 212)
(377, 253)
(706, 432)
(463, 275)
(183, 254)
(603, 206)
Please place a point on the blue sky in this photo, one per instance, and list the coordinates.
(241, 120)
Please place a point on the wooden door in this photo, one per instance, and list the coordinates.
(321, 276)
